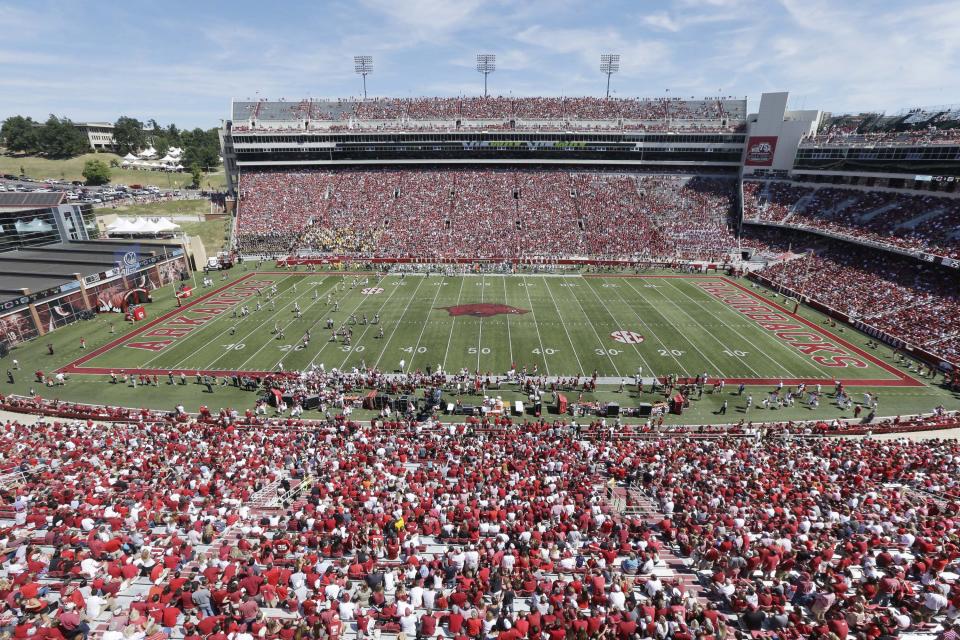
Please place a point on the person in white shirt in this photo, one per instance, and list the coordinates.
(408, 624)
(416, 596)
(94, 605)
(617, 599)
(332, 591)
(429, 598)
(653, 586)
(346, 609)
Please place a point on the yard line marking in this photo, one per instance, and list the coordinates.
(509, 338)
(607, 309)
(289, 324)
(413, 355)
(564, 324)
(745, 339)
(589, 322)
(704, 329)
(668, 323)
(537, 326)
(313, 324)
(210, 324)
(733, 351)
(453, 324)
(296, 298)
(650, 325)
(350, 350)
(327, 343)
(399, 322)
(480, 333)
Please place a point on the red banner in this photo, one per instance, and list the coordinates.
(760, 150)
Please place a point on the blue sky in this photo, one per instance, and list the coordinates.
(182, 61)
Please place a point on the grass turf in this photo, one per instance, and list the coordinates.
(566, 329)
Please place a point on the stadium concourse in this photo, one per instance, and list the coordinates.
(487, 214)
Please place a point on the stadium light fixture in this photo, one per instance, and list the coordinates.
(486, 64)
(609, 64)
(363, 65)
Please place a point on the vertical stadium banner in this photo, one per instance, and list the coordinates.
(169, 271)
(64, 310)
(760, 150)
(17, 327)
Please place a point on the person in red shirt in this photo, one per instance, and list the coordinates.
(626, 628)
(428, 626)
(169, 617)
(455, 621)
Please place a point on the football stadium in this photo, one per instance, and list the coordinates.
(477, 367)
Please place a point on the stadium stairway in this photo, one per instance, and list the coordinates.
(641, 507)
(799, 206)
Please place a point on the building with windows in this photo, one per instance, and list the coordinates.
(35, 219)
(99, 135)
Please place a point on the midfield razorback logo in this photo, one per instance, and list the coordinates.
(482, 310)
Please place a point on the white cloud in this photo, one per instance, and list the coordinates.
(661, 20)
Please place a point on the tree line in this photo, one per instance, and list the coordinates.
(58, 137)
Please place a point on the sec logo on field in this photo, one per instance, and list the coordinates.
(627, 337)
(369, 291)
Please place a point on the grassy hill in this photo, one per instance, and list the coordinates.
(72, 168)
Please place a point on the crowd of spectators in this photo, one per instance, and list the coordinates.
(912, 301)
(499, 107)
(914, 222)
(846, 137)
(485, 214)
(235, 528)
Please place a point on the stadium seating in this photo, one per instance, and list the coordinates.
(163, 526)
(916, 222)
(906, 299)
(547, 113)
(485, 214)
(846, 137)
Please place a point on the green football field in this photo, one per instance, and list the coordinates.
(558, 325)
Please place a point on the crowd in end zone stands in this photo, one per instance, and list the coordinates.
(918, 222)
(913, 301)
(485, 214)
(220, 530)
(846, 136)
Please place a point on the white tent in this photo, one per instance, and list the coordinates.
(130, 157)
(142, 226)
(148, 153)
(165, 224)
(122, 225)
(176, 152)
(167, 159)
(127, 163)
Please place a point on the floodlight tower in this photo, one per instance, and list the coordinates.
(363, 65)
(609, 64)
(486, 64)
